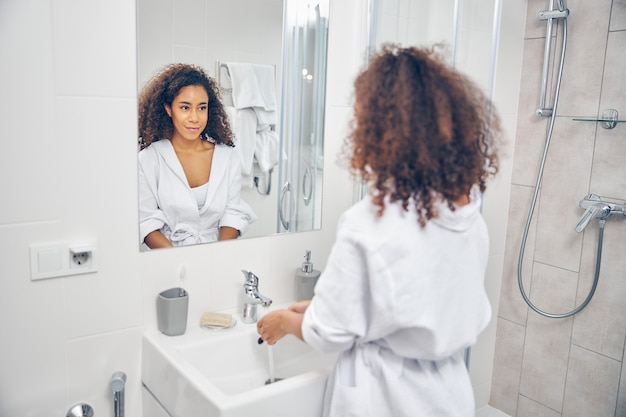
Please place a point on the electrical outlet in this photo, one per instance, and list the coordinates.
(82, 257)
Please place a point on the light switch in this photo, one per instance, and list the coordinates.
(50, 260)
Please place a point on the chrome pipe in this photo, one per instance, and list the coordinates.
(118, 384)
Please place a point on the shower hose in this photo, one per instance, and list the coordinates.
(534, 202)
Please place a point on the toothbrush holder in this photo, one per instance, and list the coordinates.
(172, 307)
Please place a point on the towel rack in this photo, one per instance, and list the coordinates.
(218, 76)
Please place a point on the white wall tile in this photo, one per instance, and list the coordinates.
(154, 37)
(346, 51)
(190, 21)
(27, 85)
(93, 360)
(94, 48)
(33, 360)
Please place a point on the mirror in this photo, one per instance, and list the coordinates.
(288, 36)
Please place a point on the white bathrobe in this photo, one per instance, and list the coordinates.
(400, 303)
(167, 203)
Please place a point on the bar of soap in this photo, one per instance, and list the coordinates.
(216, 320)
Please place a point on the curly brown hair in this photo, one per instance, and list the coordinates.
(421, 131)
(154, 122)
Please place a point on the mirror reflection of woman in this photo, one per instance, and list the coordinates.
(189, 171)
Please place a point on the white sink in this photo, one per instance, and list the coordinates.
(224, 373)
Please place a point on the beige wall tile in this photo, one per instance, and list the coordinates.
(608, 177)
(614, 82)
(530, 408)
(547, 344)
(582, 76)
(531, 130)
(512, 305)
(507, 366)
(621, 395)
(592, 381)
(602, 324)
(565, 183)
(535, 28)
(618, 15)
(609, 170)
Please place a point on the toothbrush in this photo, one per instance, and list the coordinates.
(181, 274)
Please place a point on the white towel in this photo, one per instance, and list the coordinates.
(253, 115)
(253, 85)
(266, 80)
(265, 118)
(244, 125)
(266, 149)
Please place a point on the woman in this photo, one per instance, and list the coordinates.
(402, 294)
(189, 172)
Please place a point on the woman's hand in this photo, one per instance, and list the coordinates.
(276, 324)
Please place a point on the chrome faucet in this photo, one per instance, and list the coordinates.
(251, 298)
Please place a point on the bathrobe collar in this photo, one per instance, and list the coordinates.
(219, 167)
(462, 217)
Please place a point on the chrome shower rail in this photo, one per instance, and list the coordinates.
(552, 114)
(550, 16)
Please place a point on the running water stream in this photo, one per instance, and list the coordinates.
(270, 362)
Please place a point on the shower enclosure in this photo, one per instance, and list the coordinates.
(572, 366)
(302, 118)
(596, 207)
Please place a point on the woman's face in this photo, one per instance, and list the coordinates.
(189, 112)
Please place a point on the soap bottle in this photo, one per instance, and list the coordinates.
(306, 278)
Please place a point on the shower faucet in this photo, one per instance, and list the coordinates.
(598, 208)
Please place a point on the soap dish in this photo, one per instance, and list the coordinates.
(217, 321)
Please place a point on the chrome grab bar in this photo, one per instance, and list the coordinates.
(284, 220)
(307, 192)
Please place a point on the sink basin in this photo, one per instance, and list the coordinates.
(224, 373)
